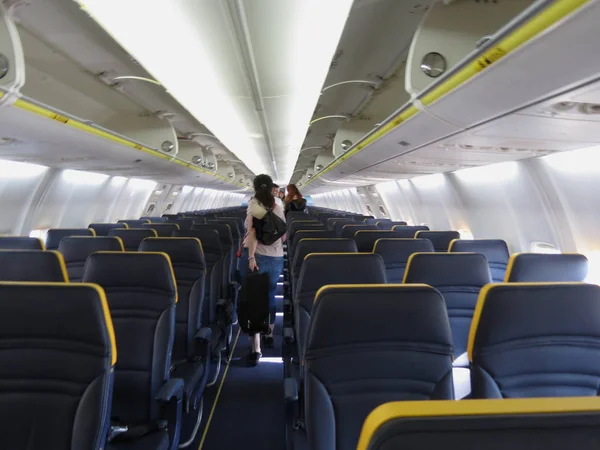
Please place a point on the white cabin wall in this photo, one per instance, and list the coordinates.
(344, 199)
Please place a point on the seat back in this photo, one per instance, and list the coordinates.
(544, 267)
(162, 229)
(365, 239)
(387, 225)
(132, 237)
(495, 251)
(76, 249)
(408, 231)
(338, 225)
(21, 243)
(294, 227)
(349, 230)
(141, 292)
(155, 219)
(536, 340)
(317, 233)
(189, 266)
(102, 229)
(56, 376)
(54, 235)
(459, 277)
(184, 223)
(229, 252)
(32, 265)
(396, 252)
(440, 239)
(518, 424)
(368, 345)
(133, 223)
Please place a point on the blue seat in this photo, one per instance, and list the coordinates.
(192, 345)
(368, 345)
(162, 229)
(102, 229)
(495, 251)
(408, 231)
(459, 277)
(155, 219)
(321, 269)
(365, 239)
(387, 225)
(55, 235)
(516, 424)
(32, 265)
(338, 225)
(21, 243)
(294, 227)
(134, 223)
(184, 223)
(76, 249)
(302, 234)
(56, 366)
(396, 252)
(132, 237)
(544, 267)
(141, 292)
(440, 239)
(536, 340)
(349, 230)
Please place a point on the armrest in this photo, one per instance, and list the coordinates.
(288, 335)
(290, 390)
(173, 388)
(203, 335)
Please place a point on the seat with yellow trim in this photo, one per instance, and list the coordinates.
(536, 340)
(546, 267)
(349, 230)
(162, 229)
(459, 277)
(76, 249)
(132, 237)
(55, 235)
(56, 366)
(102, 229)
(396, 252)
(365, 239)
(440, 239)
(21, 243)
(294, 227)
(495, 251)
(318, 233)
(408, 231)
(32, 265)
(387, 225)
(369, 345)
(516, 424)
(134, 223)
(141, 292)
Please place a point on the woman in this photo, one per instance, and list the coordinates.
(261, 257)
(294, 200)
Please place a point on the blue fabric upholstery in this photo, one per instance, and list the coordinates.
(320, 270)
(349, 230)
(541, 267)
(365, 239)
(76, 249)
(21, 243)
(132, 237)
(32, 265)
(495, 251)
(408, 231)
(294, 227)
(330, 222)
(338, 225)
(536, 340)
(132, 223)
(155, 219)
(459, 277)
(368, 345)
(141, 292)
(162, 229)
(102, 229)
(184, 224)
(387, 225)
(440, 239)
(319, 233)
(54, 235)
(396, 252)
(56, 373)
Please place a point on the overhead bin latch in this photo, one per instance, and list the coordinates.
(12, 59)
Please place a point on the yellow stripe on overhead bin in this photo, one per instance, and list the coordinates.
(546, 18)
(81, 126)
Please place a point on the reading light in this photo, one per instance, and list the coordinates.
(319, 167)
(197, 160)
(230, 175)
(4, 65)
(167, 146)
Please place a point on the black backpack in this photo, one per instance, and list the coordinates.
(270, 228)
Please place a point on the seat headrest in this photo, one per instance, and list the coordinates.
(448, 269)
(132, 237)
(222, 228)
(74, 317)
(398, 250)
(54, 235)
(32, 265)
(209, 239)
(440, 239)
(316, 233)
(365, 239)
(130, 270)
(21, 243)
(349, 230)
(78, 248)
(545, 267)
(512, 311)
(133, 223)
(181, 250)
(162, 229)
(102, 229)
(495, 250)
(320, 269)
(408, 231)
(385, 314)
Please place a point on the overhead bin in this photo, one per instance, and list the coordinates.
(12, 62)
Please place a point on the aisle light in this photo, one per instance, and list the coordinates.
(489, 174)
(85, 178)
(15, 170)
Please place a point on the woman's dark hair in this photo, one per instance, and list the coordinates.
(263, 187)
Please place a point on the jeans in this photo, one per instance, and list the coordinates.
(273, 265)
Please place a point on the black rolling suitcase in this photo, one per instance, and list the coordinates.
(253, 303)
